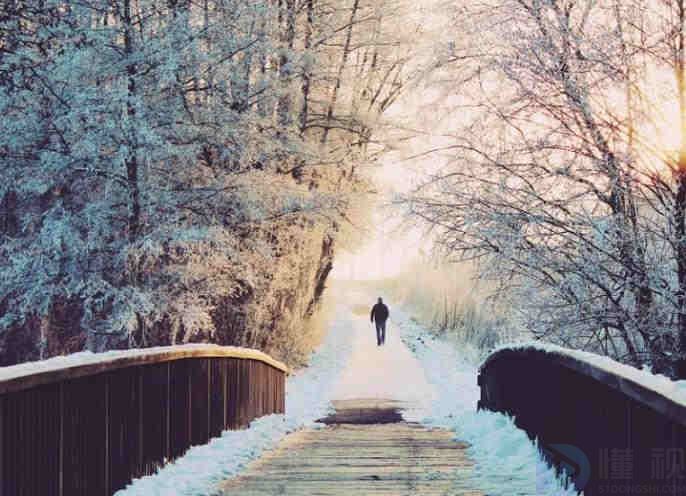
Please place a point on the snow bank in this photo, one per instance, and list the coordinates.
(507, 462)
(674, 390)
(308, 396)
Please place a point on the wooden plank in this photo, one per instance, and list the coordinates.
(354, 457)
(124, 427)
(85, 437)
(2, 446)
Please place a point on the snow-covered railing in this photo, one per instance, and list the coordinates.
(613, 428)
(87, 424)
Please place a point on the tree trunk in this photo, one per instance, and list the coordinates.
(283, 110)
(132, 154)
(307, 75)
(616, 198)
(341, 69)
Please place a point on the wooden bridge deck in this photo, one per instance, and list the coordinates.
(366, 449)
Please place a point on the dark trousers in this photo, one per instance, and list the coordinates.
(380, 332)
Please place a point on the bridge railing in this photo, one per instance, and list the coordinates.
(614, 429)
(88, 427)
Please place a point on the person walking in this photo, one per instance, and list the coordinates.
(379, 316)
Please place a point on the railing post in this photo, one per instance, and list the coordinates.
(189, 403)
(107, 434)
(167, 447)
(61, 434)
(141, 468)
(209, 398)
(225, 391)
(2, 446)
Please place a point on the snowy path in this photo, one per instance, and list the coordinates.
(384, 372)
(435, 385)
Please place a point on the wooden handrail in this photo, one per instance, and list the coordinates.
(87, 424)
(33, 374)
(670, 407)
(584, 410)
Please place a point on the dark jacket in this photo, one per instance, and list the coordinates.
(379, 312)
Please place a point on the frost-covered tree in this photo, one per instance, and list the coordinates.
(164, 173)
(561, 177)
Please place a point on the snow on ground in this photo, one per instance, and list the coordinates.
(507, 462)
(308, 395)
